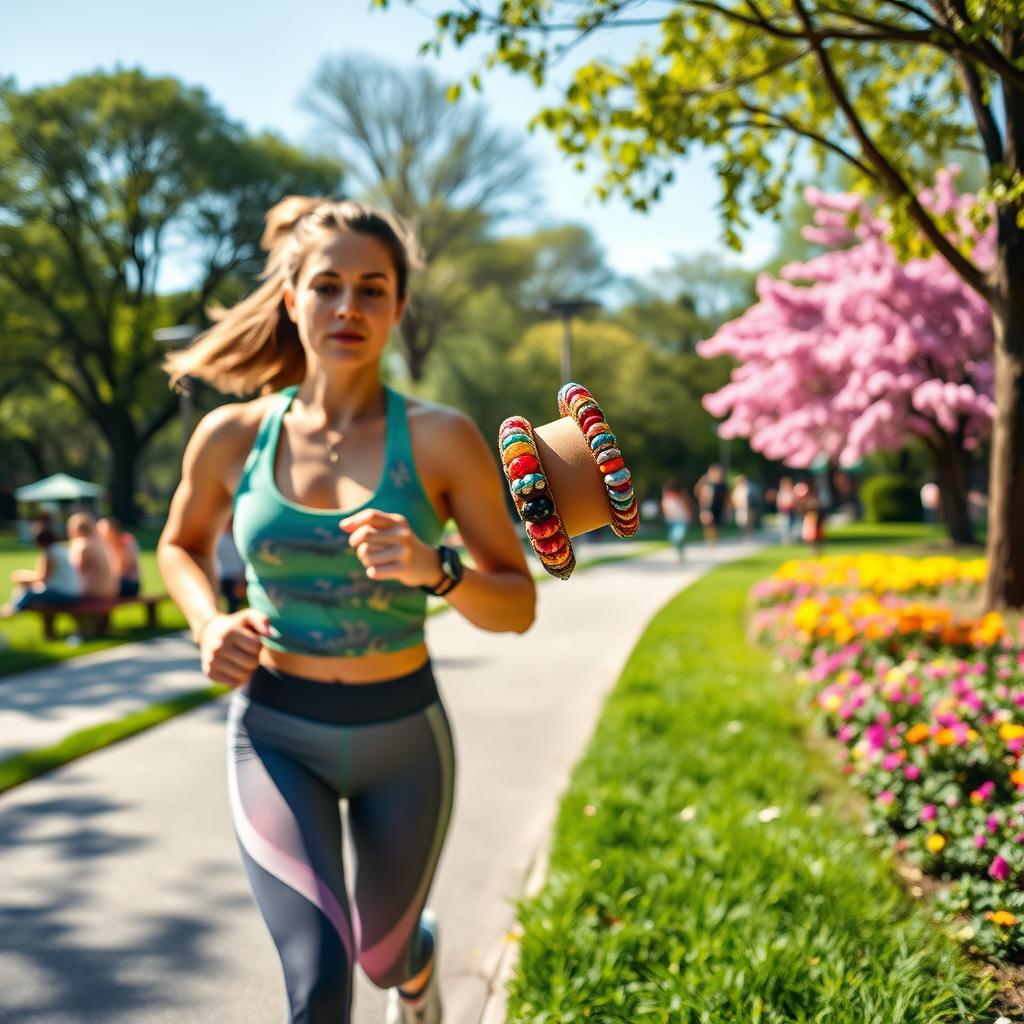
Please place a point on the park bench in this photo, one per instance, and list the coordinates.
(93, 613)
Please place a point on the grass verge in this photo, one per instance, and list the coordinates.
(22, 767)
(705, 865)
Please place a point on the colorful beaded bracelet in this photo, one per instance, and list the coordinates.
(533, 498)
(576, 402)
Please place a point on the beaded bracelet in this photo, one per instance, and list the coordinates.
(533, 498)
(576, 402)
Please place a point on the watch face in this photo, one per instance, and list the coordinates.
(447, 564)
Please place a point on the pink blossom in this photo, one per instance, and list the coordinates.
(845, 733)
(928, 812)
(980, 840)
(886, 796)
(912, 772)
(999, 869)
(891, 762)
(853, 351)
(992, 824)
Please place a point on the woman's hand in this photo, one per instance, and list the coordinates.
(385, 543)
(229, 645)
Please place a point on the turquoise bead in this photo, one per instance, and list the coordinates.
(601, 440)
(512, 439)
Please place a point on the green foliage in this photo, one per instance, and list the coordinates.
(107, 172)
(704, 867)
(890, 498)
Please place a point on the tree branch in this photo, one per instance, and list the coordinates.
(888, 174)
(983, 116)
(788, 124)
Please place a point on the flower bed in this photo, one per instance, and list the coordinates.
(929, 709)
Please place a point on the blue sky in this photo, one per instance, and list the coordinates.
(257, 58)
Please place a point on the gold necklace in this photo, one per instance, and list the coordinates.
(332, 451)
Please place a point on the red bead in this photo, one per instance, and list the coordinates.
(545, 528)
(550, 545)
(515, 421)
(522, 465)
(588, 419)
(612, 465)
(613, 487)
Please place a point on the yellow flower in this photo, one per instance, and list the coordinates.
(833, 702)
(935, 842)
(1001, 917)
(1011, 731)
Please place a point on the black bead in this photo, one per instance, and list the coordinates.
(538, 508)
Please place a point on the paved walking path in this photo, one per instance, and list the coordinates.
(123, 896)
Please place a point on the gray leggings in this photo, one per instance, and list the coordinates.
(297, 748)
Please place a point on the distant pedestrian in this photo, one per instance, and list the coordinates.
(713, 501)
(930, 498)
(812, 529)
(785, 506)
(746, 503)
(677, 511)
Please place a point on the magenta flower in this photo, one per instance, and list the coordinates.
(891, 762)
(928, 812)
(912, 772)
(980, 840)
(886, 796)
(999, 869)
(992, 824)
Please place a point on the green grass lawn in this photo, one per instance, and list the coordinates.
(708, 864)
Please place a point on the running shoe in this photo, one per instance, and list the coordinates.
(426, 1007)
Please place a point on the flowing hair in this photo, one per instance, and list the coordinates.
(253, 346)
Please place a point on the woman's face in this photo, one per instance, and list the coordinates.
(345, 300)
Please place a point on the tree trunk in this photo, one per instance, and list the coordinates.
(950, 465)
(1005, 583)
(125, 451)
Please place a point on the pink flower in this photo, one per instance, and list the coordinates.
(999, 869)
(992, 824)
(886, 796)
(845, 733)
(911, 771)
(928, 812)
(980, 840)
(891, 762)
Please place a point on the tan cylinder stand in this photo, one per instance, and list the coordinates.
(573, 476)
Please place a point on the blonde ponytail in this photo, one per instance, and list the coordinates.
(254, 346)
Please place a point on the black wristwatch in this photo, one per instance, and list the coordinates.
(451, 572)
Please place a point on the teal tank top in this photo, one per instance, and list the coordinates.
(299, 568)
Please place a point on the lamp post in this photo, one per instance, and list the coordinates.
(566, 309)
(180, 336)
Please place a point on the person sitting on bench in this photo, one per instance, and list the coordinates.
(53, 581)
(123, 552)
(89, 556)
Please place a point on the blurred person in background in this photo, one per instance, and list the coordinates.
(53, 580)
(89, 556)
(123, 554)
(677, 511)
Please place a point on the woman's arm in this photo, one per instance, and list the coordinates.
(499, 593)
(26, 577)
(229, 644)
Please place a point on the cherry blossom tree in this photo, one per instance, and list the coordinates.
(855, 352)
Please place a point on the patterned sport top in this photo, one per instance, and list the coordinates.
(299, 568)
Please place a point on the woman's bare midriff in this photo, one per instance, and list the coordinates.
(373, 668)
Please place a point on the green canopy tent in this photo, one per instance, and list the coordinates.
(59, 494)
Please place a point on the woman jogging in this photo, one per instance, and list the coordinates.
(339, 488)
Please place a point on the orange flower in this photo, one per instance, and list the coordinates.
(917, 733)
(1001, 917)
(945, 738)
(1017, 777)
